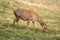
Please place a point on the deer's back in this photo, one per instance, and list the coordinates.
(25, 14)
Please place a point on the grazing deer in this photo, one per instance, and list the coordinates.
(28, 15)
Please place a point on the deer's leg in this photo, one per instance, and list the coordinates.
(16, 20)
(28, 23)
(33, 23)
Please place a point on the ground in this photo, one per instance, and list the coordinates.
(9, 31)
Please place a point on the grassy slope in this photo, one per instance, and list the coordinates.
(50, 4)
(8, 31)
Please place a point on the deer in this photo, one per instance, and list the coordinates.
(28, 15)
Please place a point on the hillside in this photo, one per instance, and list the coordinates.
(9, 31)
(53, 5)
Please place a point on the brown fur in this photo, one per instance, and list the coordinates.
(28, 15)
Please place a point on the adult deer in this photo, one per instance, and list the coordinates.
(28, 15)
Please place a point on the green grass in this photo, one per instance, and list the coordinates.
(9, 31)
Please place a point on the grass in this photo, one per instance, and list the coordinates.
(9, 31)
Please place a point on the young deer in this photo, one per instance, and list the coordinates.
(28, 15)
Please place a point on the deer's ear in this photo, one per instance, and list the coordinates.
(46, 21)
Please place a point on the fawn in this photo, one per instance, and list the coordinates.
(28, 15)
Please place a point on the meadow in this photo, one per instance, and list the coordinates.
(9, 31)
